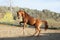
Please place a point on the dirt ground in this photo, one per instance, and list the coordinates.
(8, 32)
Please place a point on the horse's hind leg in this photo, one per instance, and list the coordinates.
(37, 31)
(37, 28)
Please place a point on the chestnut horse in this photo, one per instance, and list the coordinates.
(27, 19)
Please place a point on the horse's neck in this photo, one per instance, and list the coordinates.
(27, 15)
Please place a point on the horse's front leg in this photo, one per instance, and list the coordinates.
(25, 23)
(24, 28)
(20, 23)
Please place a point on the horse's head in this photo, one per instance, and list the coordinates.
(20, 13)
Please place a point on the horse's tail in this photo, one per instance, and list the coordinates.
(46, 24)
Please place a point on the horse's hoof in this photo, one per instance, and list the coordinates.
(38, 35)
(32, 35)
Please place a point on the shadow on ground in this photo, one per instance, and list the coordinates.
(47, 36)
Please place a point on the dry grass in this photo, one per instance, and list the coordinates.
(8, 32)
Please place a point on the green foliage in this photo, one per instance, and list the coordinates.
(8, 17)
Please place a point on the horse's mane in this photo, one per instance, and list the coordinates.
(26, 13)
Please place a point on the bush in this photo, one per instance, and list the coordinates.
(8, 17)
